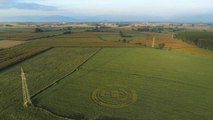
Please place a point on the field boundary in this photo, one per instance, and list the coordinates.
(58, 80)
(99, 37)
(51, 113)
(101, 46)
(27, 58)
(43, 37)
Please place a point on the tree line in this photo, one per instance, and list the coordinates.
(200, 39)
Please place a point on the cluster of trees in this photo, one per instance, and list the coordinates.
(159, 29)
(161, 45)
(151, 29)
(8, 25)
(38, 30)
(123, 40)
(123, 24)
(67, 32)
(98, 29)
(124, 35)
(200, 39)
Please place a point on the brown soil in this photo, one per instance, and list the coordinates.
(9, 43)
(173, 44)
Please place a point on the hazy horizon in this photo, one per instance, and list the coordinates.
(110, 10)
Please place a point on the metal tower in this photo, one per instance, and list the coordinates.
(26, 96)
(153, 42)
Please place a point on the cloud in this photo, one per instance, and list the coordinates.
(163, 8)
(122, 9)
(9, 4)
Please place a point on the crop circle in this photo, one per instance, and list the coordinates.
(114, 96)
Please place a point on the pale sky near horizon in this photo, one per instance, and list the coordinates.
(154, 8)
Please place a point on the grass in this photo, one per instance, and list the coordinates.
(84, 39)
(168, 86)
(40, 71)
(164, 84)
(26, 34)
(17, 54)
(116, 36)
(3, 37)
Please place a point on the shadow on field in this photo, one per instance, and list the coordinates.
(78, 116)
(110, 118)
(75, 116)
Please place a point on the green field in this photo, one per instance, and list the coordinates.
(28, 33)
(17, 54)
(117, 37)
(3, 37)
(93, 76)
(168, 86)
(40, 71)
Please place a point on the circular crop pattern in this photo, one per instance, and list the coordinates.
(114, 96)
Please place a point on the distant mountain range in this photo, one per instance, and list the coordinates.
(208, 18)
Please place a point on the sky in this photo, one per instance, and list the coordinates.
(123, 9)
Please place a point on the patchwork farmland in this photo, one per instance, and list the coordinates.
(103, 75)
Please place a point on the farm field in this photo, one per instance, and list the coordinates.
(174, 87)
(116, 37)
(111, 39)
(11, 56)
(75, 73)
(9, 43)
(28, 33)
(41, 71)
(82, 39)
